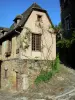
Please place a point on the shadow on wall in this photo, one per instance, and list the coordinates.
(67, 56)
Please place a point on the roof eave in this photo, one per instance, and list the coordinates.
(9, 34)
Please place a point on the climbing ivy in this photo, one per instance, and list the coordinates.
(45, 76)
(66, 42)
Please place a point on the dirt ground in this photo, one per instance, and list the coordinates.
(61, 83)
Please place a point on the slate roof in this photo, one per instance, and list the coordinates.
(18, 17)
(24, 16)
(4, 29)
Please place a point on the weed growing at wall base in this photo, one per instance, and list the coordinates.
(45, 76)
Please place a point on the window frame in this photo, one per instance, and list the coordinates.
(8, 49)
(67, 24)
(39, 17)
(35, 42)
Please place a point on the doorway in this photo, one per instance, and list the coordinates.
(16, 80)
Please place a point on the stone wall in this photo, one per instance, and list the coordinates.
(15, 68)
(17, 74)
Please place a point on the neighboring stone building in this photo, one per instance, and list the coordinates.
(68, 26)
(67, 16)
(25, 47)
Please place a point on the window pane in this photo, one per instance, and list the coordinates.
(33, 41)
(36, 42)
(67, 23)
(39, 17)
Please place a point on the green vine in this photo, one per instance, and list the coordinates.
(25, 39)
(45, 76)
(66, 43)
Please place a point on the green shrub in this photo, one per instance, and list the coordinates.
(56, 66)
(45, 76)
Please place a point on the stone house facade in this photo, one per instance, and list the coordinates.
(26, 45)
(67, 16)
(68, 25)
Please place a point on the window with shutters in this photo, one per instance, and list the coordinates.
(36, 42)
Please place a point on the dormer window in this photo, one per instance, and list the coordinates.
(3, 31)
(17, 19)
(39, 17)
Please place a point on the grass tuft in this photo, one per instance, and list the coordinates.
(45, 76)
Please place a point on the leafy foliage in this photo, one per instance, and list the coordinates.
(45, 76)
(66, 43)
(25, 39)
(63, 42)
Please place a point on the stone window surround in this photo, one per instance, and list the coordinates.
(39, 17)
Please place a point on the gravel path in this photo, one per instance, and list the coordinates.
(66, 96)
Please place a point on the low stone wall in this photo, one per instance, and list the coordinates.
(18, 74)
